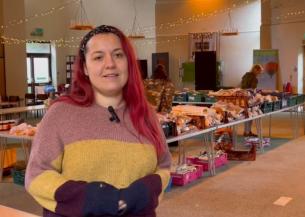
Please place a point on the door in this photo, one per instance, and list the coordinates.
(205, 70)
(38, 71)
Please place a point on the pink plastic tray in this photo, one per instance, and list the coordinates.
(219, 161)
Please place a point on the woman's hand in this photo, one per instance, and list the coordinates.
(122, 207)
(142, 195)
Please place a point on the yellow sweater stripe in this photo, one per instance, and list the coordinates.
(44, 186)
(114, 162)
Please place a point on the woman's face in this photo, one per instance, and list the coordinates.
(106, 64)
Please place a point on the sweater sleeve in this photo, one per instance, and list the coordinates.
(164, 163)
(51, 189)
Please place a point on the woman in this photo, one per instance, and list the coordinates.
(99, 151)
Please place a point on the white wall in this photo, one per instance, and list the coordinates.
(236, 52)
(286, 35)
(1, 16)
(55, 25)
(120, 14)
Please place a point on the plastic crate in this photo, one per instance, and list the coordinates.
(239, 100)
(266, 107)
(181, 97)
(283, 96)
(194, 97)
(209, 99)
(292, 100)
(18, 176)
(300, 98)
(277, 105)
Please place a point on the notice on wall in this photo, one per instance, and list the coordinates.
(269, 59)
(202, 41)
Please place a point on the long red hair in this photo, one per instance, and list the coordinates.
(141, 113)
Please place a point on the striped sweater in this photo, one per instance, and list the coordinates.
(81, 164)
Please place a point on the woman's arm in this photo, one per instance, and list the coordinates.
(51, 189)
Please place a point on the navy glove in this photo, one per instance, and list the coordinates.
(142, 195)
(101, 199)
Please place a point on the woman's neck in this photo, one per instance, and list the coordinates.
(105, 101)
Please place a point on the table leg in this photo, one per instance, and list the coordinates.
(270, 119)
(179, 153)
(303, 116)
(258, 123)
(211, 155)
(2, 155)
(297, 122)
(234, 136)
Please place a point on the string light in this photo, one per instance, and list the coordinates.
(290, 15)
(74, 41)
(148, 30)
(193, 18)
(38, 15)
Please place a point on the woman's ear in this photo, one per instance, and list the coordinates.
(86, 70)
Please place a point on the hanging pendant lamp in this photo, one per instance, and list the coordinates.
(81, 21)
(135, 30)
(231, 30)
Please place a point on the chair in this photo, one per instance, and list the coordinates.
(4, 98)
(40, 97)
(29, 99)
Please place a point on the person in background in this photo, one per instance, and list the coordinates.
(249, 81)
(160, 90)
(99, 150)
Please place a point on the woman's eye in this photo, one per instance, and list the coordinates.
(119, 55)
(98, 58)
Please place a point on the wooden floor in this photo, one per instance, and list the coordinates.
(10, 212)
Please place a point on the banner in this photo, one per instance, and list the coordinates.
(269, 59)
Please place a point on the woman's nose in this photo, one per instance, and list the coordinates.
(109, 61)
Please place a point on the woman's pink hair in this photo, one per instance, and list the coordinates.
(141, 112)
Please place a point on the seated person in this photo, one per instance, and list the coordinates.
(160, 90)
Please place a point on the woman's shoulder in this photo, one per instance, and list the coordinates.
(62, 110)
(62, 106)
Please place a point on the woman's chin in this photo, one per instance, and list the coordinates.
(111, 92)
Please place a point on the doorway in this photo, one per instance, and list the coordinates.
(38, 67)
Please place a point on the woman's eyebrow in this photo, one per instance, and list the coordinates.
(101, 52)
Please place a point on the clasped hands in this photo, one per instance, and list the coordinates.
(139, 197)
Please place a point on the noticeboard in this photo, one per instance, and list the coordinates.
(269, 59)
